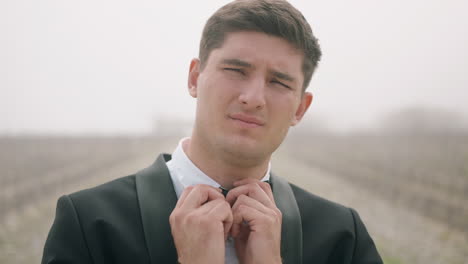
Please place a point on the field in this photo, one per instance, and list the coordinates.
(411, 191)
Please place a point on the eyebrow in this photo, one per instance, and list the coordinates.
(237, 62)
(284, 76)
(241, 63)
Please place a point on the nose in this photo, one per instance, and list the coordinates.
(252, 95)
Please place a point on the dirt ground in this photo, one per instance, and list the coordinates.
(402, 235)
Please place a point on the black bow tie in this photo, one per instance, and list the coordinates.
(225, 191)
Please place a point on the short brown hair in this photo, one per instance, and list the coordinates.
(273, 17)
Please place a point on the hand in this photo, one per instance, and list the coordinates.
(256, 225)
(200, 224)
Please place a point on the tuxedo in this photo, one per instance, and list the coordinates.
(127, 221)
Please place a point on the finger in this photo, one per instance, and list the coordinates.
(244, 214)
(236, 226)
(210, 206)
(252, 190)
(218, 210)
(250, 202)
(264, 185)
(227, 228)
(183, 196)
(199, 195)
(223, 210)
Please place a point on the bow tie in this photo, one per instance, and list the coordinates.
(225, 191)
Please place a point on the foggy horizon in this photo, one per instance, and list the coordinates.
(117, 67)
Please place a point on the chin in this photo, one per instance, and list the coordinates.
(246, 149)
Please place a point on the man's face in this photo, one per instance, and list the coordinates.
(248, 95)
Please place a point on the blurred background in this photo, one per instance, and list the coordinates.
(95, 90)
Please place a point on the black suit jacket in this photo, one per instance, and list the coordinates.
(127, 221)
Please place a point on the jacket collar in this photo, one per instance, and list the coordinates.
(157, 199)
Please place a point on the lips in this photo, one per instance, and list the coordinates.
(248, 119)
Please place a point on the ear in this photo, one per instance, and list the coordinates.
(194, 72)
(306, 100)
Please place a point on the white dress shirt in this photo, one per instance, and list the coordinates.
(184, 173)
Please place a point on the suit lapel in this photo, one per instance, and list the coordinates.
(291, 229)
(157, 199)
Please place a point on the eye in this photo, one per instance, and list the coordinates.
(235, 70)
(280, 83)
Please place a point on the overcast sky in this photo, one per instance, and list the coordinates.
(116, 66)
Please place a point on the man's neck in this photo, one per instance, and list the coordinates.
(219, 168)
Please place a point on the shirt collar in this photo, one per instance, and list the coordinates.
(187, 174)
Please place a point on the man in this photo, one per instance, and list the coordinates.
(256, 59)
